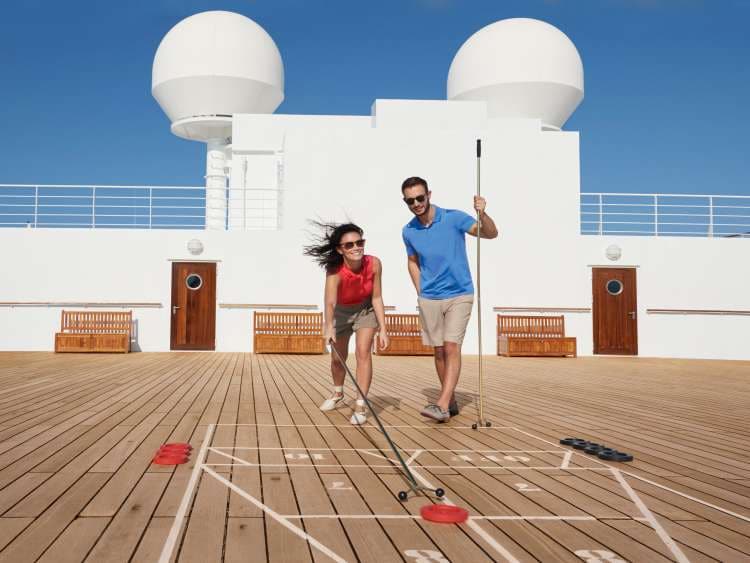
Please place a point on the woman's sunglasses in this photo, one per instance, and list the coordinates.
(411, 200)
(349, 245)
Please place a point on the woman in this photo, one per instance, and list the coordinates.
(353, 304)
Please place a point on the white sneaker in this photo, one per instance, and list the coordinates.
(358, 418)
(332, 403)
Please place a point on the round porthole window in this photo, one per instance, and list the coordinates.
(614, 287)
(194, 281)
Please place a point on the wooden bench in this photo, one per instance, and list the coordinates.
(288, 333)
(94, 331)
(533, 336)
(406, 336)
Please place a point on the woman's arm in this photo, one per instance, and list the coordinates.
(329, 300)
(377, 301)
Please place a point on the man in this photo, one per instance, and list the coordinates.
(438, 266)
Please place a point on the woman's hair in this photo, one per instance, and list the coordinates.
(323, 250)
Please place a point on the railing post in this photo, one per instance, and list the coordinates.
(601, 215)
(36, 205)
(656, 215)
(150, 203)
(710, 216)
(93, 207)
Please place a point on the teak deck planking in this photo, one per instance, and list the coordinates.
(77, 434)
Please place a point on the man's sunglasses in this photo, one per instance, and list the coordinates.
(411, 200)
(349, 245)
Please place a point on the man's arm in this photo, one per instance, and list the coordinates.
(489, 230)
(413, 265)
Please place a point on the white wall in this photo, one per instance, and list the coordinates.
(339, 168)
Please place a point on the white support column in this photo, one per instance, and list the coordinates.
(216, 186)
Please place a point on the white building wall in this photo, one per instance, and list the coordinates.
(339, 168)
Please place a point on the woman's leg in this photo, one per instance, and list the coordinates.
(337, 370)
(364, 338)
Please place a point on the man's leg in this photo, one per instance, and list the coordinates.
(440, 369)
(451, 369)
(440, 362)
(457, 314)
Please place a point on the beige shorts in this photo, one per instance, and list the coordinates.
(350, 318)
(444, 319)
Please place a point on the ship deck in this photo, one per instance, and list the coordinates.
(273, 478)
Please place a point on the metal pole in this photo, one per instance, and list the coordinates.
(407, 472)
(480, 421)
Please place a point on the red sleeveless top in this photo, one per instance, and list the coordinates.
(355, 287)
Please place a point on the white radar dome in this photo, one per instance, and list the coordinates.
(522, 68)
(212, 65)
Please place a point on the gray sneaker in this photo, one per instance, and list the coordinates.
(435, 412)
(453, 408)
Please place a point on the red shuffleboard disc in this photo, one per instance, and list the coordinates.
(177, 446)
(170, 458)
(444, 513)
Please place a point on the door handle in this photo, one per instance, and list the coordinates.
(631, 314)
(174, 309)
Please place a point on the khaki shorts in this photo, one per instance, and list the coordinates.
(444, 320)
(350, 318)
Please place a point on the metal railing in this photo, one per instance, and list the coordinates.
(665, 215)
(110, 207)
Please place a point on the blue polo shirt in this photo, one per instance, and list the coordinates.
(441, 249)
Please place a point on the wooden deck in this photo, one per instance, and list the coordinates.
(272, 478)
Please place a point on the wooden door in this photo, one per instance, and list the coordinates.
(615, 311)
(193, 308)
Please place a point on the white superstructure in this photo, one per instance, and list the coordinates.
(513, 85)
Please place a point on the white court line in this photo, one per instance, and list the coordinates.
(364, 465)
(649, 481)
(660, 531)
(372, 453)
(418, 517)
(471, 523)
(566, 460)
(350, 426)
(276, 516)
(560, 451)
(413, 457)
(174, 532)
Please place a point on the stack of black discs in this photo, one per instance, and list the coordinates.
(599, 450)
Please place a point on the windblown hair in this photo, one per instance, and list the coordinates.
(323, 249)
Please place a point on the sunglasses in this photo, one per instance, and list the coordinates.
(411, 200)
(349, 245)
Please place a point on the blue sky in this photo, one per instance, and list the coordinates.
(666, 105)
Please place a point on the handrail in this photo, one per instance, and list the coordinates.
(266, 306)
(279, 306)
(542, 309)
(637, 214)
(135, 305)
(738, 312)
(103, 206)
